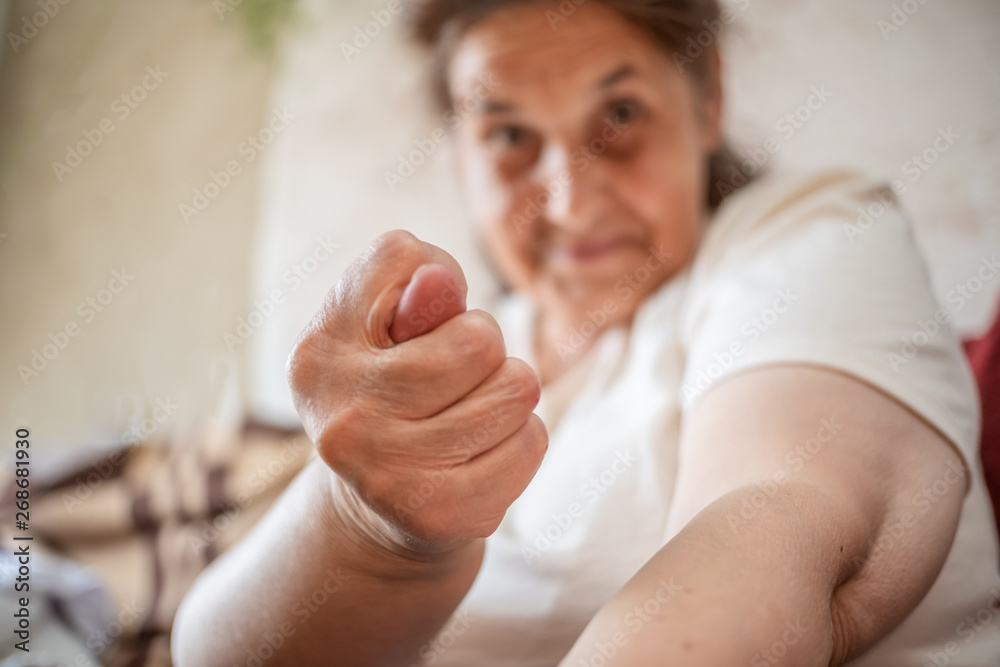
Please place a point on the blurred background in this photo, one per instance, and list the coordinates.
(203, 254)
(182, 182)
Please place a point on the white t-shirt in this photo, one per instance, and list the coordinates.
(783, 274)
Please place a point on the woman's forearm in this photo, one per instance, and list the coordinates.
(311, 586)
(727, 592)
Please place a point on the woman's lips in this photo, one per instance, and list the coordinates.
(588, 250)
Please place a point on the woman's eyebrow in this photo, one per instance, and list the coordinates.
(622, 72)
(616, 76)
(492, 106)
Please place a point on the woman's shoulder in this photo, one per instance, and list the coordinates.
(823, 269)
(781, 192)
(827, 211)
(776, 217)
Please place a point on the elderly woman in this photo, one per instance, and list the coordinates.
(711, 425)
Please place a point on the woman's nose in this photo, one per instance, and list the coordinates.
(574, 192)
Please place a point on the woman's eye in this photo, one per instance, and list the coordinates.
(624, 112)
(508, 136)
(513, 148)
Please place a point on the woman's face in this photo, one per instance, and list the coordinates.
(584, 160)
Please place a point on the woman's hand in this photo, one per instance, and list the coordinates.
(412, 401)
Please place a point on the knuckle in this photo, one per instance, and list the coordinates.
(300, 367)
(380, 491)
(432, 523)
(535, 436)
(522, 380)
(486, 519)
(486, 526)
(337, 440)
(395, 245)
(315, 358)
(335, 296)
(479, 337)
(313, 344)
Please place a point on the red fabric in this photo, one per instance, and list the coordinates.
(984, 355)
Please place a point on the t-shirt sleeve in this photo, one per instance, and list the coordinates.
(825, 271)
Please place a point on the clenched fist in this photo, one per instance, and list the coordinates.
(411, 399)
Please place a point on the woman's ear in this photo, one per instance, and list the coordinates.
(711, 103)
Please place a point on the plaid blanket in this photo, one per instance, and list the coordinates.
(150, 517)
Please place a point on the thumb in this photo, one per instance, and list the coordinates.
(433, 296)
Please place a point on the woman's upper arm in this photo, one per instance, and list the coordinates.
(899, 482)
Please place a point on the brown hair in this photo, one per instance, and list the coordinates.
(686, 29)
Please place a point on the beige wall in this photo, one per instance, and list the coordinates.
(161, 337)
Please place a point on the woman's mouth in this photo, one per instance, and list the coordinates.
(585, 251)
